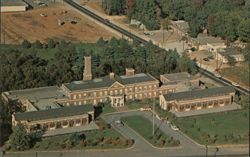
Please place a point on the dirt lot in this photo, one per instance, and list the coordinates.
(32, 26)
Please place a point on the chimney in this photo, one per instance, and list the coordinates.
(111, 75)
(87, 74)
(130, 71)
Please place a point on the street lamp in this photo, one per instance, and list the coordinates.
(206, 150)
(216, 150)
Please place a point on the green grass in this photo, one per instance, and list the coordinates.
(137, 104)
(46, 54)
(108, 109)
(218, 128)
(239, 74)
(144, 127)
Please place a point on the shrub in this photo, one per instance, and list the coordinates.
(26, 44)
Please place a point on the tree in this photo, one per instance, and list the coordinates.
(26, 44)
(38, 44)
(244, 30)
(231, 60)
(246, 52)
(147, 12)
(113, 7)
(19, 139)
(51, 43)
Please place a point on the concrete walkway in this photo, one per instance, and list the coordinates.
(90, 126)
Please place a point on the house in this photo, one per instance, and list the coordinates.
(181, 27)
(209, 43)
(13, 5)
(223, 55)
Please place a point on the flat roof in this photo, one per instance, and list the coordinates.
(229, 51)
(34, 94)
(189, 95)
(13, 3)
(90, 84)
(54, 113)
(183, 25)
(182, 76)
(137, 78)
(205, 39)
(107, 82)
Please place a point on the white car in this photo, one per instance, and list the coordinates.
(175, 128)
(217, 75)
(118, 122)
(235, 84)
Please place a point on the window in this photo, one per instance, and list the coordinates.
(116, 92)
(80, 96)
(94, 93)
(150, 86)
(74, 96)
(130, 89)
(120, 91)
(84, 94)
(100, 93)
(106, 93)
(111, 92)
(85, 102)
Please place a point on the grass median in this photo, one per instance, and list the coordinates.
(144, 127)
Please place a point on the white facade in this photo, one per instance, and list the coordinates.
(13, 8)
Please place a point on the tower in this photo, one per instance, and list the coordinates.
(87, 73)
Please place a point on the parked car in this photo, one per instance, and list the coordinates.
(119, 123)
(175, 128)
(217, 75)
(235, 84)
(145, 109)
(206, 59)
(107, 20)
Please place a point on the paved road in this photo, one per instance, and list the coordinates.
(142, 148)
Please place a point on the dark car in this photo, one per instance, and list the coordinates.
(206, 59)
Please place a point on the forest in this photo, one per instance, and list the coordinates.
(229, 19)
(44, 64)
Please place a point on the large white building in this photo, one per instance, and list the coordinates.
(13, 6)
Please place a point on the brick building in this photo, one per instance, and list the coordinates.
(198, 99)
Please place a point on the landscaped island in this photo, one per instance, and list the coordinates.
(145, 128)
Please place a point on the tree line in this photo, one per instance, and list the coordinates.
(23, 67)
(229, 19)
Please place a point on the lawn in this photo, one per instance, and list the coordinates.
(107, 108)
(218, 128)
(239, 74)
(144, 127)
(137, 104)
(105, 137)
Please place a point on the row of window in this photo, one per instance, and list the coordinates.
(112, 92)
(205, 104)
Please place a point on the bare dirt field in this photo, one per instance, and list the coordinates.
(41, 24)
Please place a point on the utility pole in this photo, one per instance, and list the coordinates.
(153, 118)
